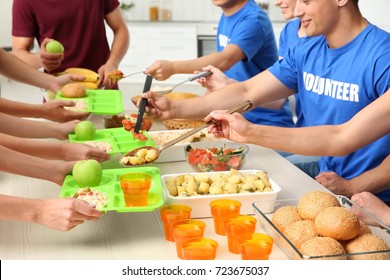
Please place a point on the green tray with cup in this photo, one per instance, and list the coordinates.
(98, 101)
(110, 186)
(119, 139)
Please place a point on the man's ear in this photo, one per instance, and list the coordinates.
(341, 3)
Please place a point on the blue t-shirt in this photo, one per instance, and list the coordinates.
(288, 38)
(335, 84)
(251, 30)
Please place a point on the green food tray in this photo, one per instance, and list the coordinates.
(100, 101)
(121, 140)
(110, 185)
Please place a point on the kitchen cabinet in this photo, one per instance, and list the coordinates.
(150, 42)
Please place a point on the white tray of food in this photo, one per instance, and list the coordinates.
(198, 189)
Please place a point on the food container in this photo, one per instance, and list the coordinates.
(210, 156)
(200, 204)
(110, 186)
(176, 152)
(265, 209)
(135, 187)
(100, 101)
(113, 121)
(118, 139)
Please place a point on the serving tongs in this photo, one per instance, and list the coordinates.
(190, 79)
(143, 103)
(241, 107)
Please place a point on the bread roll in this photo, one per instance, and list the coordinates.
(338, 223)
(73, 90)
(284, 216)
(314, 202)
(367, 242)
(300, 231)
(323, 246)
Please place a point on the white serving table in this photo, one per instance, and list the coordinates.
(124, 236)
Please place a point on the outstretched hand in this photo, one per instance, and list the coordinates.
(55, 110)
(215, 81)
(230, 126)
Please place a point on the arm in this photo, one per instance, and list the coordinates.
(21, 47)
(52, 110)
(327, 140)
(262, 88)
(52, 149)
(375, 180)
(119, 45)
(60, 213)
(16, 69)
(30, 166)
(373, 205)
(163, 69)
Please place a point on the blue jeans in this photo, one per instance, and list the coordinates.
(308, 164)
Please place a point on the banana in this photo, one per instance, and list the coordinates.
(90, 85)
(90, 76)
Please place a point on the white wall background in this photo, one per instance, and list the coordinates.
(376, 11)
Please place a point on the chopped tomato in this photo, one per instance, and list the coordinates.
(139, 136)
(234, 162)
(228, 151)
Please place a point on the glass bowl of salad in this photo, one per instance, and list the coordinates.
(212, 156)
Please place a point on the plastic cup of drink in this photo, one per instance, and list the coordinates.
(258, 247)
(171, 213)
(236, 227)
(222, 210)
(185, 229)
(135, 187)
(199, 248)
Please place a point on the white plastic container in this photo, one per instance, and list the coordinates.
(200, 204)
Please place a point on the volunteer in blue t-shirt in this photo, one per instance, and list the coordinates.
(246, 46)
(342, 68)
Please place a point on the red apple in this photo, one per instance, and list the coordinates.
(87, 173)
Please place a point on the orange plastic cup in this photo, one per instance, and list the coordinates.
(258, 247)
(185, 229)
(236, 227)
(222, 210)
(172, 213)
(135, 187)
(199, 249)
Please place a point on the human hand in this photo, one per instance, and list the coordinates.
(104, 71)
(50, 61)
(372, 204)
(54, 110)
(215, 81)
(158, 105)
(65, 213)
(230, 126)
(78, 151)
(335, 183)
(160, 70)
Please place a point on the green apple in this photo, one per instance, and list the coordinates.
(54, 47)
(85, 130)
(87, 173)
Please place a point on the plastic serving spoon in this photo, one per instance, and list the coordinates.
(190, 79)
(152, 153)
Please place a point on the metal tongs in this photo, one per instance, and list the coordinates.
(241, 107)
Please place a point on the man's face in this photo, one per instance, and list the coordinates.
(318, 17)
(287, 8)
(224, 3)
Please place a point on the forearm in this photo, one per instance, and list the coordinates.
(119, 47)
(20, 109)
(18, 209)
(38, 148)
(18, 70)
(30, 58)
(374, 180)
(30, 166)
(26, 128)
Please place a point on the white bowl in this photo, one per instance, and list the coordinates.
(200, 204)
